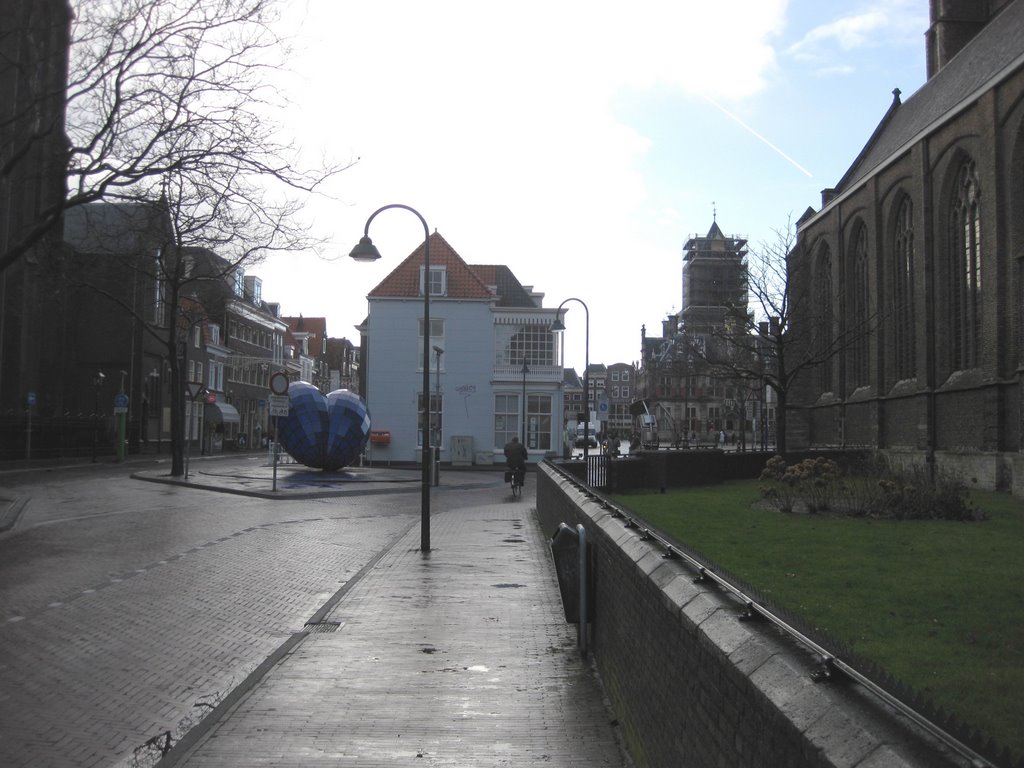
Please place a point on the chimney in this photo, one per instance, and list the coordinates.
(953, 23)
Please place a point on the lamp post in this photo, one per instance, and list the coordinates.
(437, 402)
(559, 326)
(367, 251)
(526, 370)
(97, 383)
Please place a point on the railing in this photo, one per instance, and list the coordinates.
(597, 471)
(829, 664)
(535, 373)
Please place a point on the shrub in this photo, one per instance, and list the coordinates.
(812, 481)
(876, 489)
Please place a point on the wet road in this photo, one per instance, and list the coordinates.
(124, 604)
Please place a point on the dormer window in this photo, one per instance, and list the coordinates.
(438, 281)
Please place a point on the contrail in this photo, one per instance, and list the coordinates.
(757, 135)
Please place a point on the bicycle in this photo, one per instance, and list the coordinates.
(516, 479)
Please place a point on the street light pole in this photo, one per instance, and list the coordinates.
(522, 427)
(559, 326)
(97, 383)
(367, 251)
(437, 402)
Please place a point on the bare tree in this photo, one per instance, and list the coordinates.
(207, 225)
(157, 88)
(787, 334)
(170, 109)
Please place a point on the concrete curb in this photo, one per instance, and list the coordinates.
(10, 511)
(279, 495)
(182, 750)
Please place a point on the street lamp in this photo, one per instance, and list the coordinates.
(97, 383)
(367, 251)
(526, 370)
(437, 402)
(559, 326)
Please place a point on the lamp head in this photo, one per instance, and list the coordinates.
(558, 325)
(365, 250)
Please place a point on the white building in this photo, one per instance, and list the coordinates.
(486, 324)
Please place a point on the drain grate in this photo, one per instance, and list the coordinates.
(321, 627)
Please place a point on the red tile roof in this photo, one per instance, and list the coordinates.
(404, 280)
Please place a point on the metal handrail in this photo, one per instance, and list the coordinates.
(829, 662)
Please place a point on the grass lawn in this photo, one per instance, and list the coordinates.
(940, 605)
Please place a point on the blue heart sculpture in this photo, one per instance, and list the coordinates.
(324, 432)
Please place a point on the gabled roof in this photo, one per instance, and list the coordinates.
(314, 326)
(404, 281)
(510, 291)
(995, 52)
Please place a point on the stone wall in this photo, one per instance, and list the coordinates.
(694, 686)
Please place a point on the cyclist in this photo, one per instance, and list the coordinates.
(515, 455)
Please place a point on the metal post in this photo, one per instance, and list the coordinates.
(188, 435)
(97, 382)
(581, 628)
(522, 428)
(558, 326)
(276, 444)
(437, 401)
(366, 251)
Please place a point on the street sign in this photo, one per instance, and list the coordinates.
(279, 383)
(193, 388)
(279, 405)
(211, 398)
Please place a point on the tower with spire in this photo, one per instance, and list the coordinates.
(714, 280)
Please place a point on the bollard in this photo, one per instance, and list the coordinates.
(569, 550)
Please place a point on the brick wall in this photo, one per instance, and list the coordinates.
(692, 685)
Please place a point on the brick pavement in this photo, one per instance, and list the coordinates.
(91, 675)
(457, 658)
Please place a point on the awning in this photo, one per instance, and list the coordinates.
(223, 412)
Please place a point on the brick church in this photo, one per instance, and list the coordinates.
(914, 265)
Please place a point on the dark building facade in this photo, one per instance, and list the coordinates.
(914, 265)
(33, 70)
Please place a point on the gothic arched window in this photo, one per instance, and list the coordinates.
(904, 344)
(965, 269)
(823, 289)
(859, 308)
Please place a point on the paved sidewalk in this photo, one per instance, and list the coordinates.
(456, 657)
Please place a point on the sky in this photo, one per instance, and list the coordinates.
(580, 143)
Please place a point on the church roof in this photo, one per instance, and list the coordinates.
(994, 53)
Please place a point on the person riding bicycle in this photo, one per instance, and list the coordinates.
(516, 455)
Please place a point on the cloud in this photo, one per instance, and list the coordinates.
(875, 25)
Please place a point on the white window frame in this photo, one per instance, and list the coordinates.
(438, 280)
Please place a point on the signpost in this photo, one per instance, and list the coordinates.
(121, 411)
(279, 405)
(195, 391)
(30, 401)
